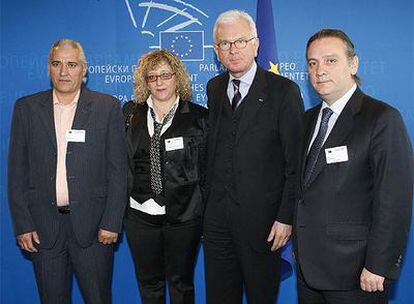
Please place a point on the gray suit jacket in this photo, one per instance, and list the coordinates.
(96, 169)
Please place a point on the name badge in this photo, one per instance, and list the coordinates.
(75, 135)
(175, 143)
(336, 154)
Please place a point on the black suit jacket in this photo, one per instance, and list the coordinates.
(183, 169)
(267, 151)
(356, 214)
(96, 169)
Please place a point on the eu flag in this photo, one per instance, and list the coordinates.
(187, 45)
(268, 60)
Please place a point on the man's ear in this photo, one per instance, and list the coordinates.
(354, 65)
(257, 45)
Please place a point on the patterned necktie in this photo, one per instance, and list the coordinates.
(316, 146)
(155, 150)
(237, 95)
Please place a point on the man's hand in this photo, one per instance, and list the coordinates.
(280, 234)
(371, 282)
(25, 241)
(107, 237)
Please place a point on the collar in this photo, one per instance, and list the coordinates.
(248, 77)
(56, 100)
(150, 104)
(340, 104)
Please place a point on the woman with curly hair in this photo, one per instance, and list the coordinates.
(166, 141)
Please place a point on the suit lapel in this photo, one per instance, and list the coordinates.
(340, 131)
(138, 122)
(253, 101)
(220, 97)
(310, 123)
(179, 118)
(82, 110)
(46, 115)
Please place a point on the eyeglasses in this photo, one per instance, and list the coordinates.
(239, 44)
(162, 76)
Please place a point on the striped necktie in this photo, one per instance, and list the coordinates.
(237, 95)
(316, 146)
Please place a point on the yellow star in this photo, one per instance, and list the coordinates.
(274, 68)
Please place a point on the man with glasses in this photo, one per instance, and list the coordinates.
(253, 150)
(67, 180)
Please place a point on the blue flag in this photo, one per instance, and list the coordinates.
(267, 57)
(268, 60)
(187, 45)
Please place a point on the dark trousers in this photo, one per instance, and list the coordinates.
(163, 252)
(230, 261)
(54, 268)
(309, 295)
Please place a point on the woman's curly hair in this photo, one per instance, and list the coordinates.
(151, 61)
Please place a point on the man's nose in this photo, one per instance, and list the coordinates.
(233, 48)
(320, 70)
(63, 70)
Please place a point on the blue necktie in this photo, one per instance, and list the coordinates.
(316, 146)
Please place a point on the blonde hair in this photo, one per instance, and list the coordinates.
(151, 61)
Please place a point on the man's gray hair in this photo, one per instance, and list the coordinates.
(234, 16)
(65, 42)
(68, 43)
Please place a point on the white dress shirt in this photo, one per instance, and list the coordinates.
(337, 108)
(245, 82)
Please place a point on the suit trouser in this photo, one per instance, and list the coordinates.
(231, 262)
(309, 295)
(163, 252)
(55, 266)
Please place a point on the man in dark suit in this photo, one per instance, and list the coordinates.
(67, 180)
(253, 151)
(353, 214)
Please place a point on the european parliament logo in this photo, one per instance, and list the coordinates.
(186, 45)
(170, 20)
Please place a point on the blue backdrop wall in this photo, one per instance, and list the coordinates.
(115, 33)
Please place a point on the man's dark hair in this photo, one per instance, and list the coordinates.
(335, 33)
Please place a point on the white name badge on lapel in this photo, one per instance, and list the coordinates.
(336, 154)
(75, 135)
(175, 143)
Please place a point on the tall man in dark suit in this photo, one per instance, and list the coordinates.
(253, 151)
(67, 180)
(353, 214)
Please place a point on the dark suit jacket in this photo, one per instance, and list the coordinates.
(267, 151)
(356, 214)
(183, 169)
(96, 169)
